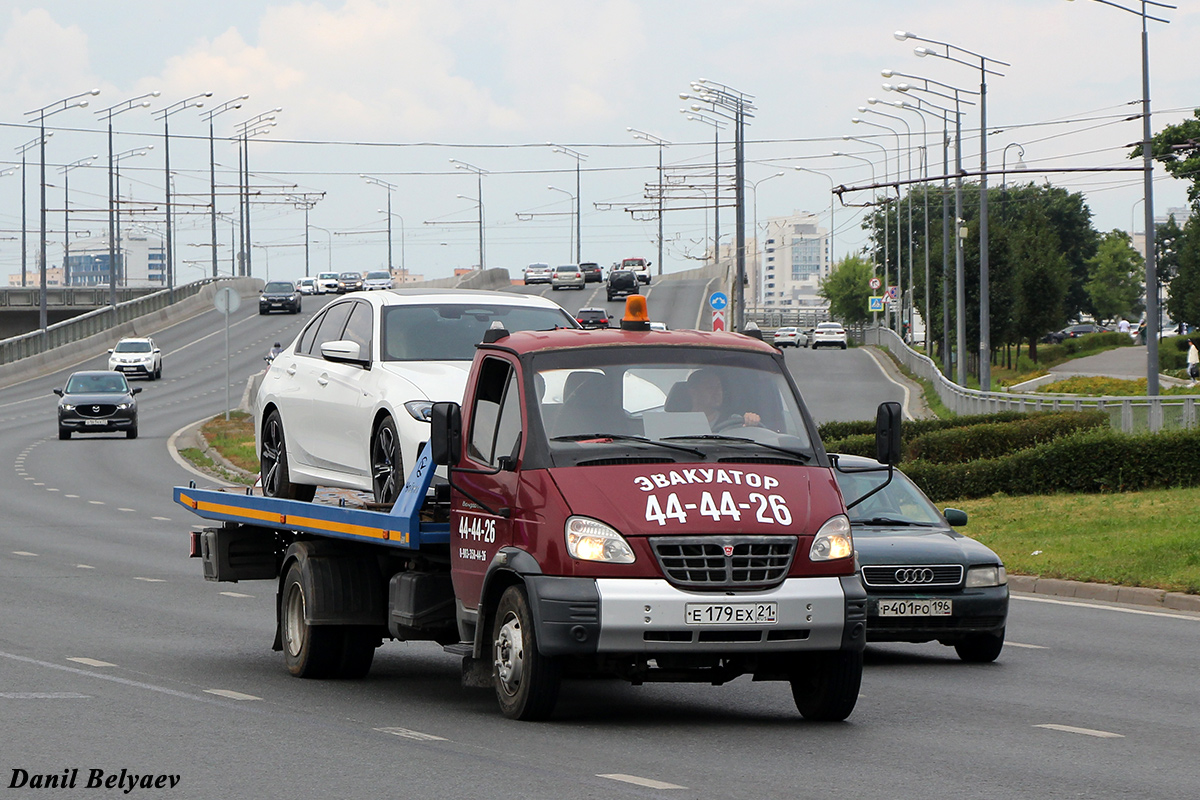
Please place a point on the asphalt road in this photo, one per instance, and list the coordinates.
(115, 654)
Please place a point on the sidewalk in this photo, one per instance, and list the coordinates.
(1128, 363)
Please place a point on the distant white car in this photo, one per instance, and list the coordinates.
(346, 404)
(639, 267)
(378, 280)
(136, 356)
(307, 286)
(829, 334)
(327, 282)
(790, 337)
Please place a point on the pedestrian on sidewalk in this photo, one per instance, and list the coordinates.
(1193, 360)
(1123, 326)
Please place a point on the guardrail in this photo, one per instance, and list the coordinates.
(93, 322)
(57, 297)
(1128, 414)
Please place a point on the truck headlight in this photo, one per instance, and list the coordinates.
(986, 576)
(419, 409)
(591, 540)
(833, 540)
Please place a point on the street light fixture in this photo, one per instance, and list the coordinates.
(73, 101)
(574, 200)
(403, 268)
(874, 182)
(717, 126)
(899, 243)
(831, 199)
(887, 258)
(165, 115)
(908, 157)
(390, 187)
(578, 156)
(255, 126)
(228, 105)
(754, 206)
(656, 140)
(479, 173)
(117, 265)
(66, 171)
(22, 149)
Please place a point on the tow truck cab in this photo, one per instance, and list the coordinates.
(652, 506)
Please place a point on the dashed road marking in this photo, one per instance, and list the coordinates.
(84, 566)
(162, 519)
(96, 502)
(91, 662)
(151, 580)
(126, 509)
(409, 734)
(1026, 646)
(231, 694)
(649, 783)
(71, 495)
(1083, 731)
(236, 594)
(44, 696)
(24, 553)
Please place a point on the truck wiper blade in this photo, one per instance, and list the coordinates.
(621, 437)
(743, 440)
(891, 521)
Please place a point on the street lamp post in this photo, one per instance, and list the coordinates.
(574, 199)
(831, 199)
(757, 241)
(390, 187)
(578, 156)
(479, 173)
(118, 264)
(66, 171)
(403, 268)
(650, 137)
(141, 101)
(73, 101)
(228, 105)
(328, 233)
(717, 126)
(899, 242)
(908, 158)
(871, 164)
(22, 149)
(1152, 307)
(247, 130)
(886, 215)
(165, 115)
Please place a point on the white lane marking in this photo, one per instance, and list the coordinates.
(407, 734)
(875, 358)
(84, 566)
(51, 490)
(236, 594)
(96, 502)
(70, 495)
(91, 662)
(126, 509)
(162, 519)
(24, 553)
(647, 782)
(232, 695)
(1083, 731)
(44, 696)
(36, 483)
(1026, 646)
(151, 580)
(1079, 604)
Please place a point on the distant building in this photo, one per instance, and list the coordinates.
(794, 259)
(140, 262)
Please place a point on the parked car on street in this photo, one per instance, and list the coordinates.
(1072, 332)
(621, 283)
(828, 334)
(538, 273)
(567, 276)
(381, 279)
(592, 272)
(349, 282)
(97, 402)
(592, 318)
(327, 282)
(307, 286)
(136, 356)
(925, 581)
(346, 404)
(790, 337)
(279, 296)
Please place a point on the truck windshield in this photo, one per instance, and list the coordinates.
(697, 397)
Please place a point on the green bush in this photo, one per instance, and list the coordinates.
(1095, 460)
(1172, 353)
(992, 440)
(833, 431)
(1095, 342)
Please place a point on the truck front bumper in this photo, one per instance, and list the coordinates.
(577, 616)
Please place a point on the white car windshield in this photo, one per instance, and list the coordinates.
(132, 347)
(450, 331)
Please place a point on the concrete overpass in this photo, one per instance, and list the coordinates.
(20, 305)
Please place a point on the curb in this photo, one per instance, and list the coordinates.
(1129, 595)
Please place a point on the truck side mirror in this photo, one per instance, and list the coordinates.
(445, 433)
(887, 433)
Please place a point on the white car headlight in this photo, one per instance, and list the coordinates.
(124, 406)
(833, 540)
(591, 540)
(419, 409)
(68, 406)
(986, 576)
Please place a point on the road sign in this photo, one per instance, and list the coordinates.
(718, 319)
(875, 283)
(718, 301)
(876, 303)
(893, 292)
(226, 300)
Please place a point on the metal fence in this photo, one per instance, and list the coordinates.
(93, 322)
(1134, 414)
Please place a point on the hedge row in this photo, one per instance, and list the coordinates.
(910, 429)
(992, 440)
(1096, 460)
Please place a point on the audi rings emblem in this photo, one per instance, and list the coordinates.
(914, 575)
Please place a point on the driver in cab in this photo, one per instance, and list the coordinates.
(707, 394)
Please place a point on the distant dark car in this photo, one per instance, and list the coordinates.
(592, 273)
(279, 296)
(95, 402)
(1071, 332)
(592, 318)
(925, 581)
(621, 283)
(349, 282)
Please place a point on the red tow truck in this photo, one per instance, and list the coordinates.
(650, 506)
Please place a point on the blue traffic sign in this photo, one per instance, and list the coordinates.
(875, 303)
(718, 300)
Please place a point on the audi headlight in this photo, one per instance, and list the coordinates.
(986, 576)
(591, 540)
(419, 409)
(833, 540)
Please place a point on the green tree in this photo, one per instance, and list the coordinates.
(1040, 281)
(1183, 298)
(1114, 286)
(847, 289)
(1177, 147)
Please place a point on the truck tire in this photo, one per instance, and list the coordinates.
(309, 651)
(526, 681)
(273, 466)
(980, 648)
(387, 465)
(825, 686)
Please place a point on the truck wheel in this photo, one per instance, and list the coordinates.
(309, 651)
(825, 686)
(526, 681)
(276, 482)
(980, 648)
(387, 466)
(358, 651)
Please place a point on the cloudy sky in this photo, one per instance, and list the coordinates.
(398, 89)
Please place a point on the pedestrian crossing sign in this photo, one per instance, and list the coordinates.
(876, 303)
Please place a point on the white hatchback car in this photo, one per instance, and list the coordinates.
(378, 280)
(136, 356)
(347, 403)
(829, 334)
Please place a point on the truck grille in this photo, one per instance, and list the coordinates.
(701, 562)
(918, 576)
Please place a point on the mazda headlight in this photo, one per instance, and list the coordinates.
(591, 540)
(833, 540)
(419, 409)
(67, 406)
(986, 576)
(124, 406)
